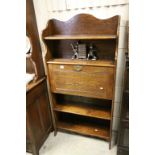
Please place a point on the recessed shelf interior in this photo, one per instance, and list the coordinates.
(84, 125)
(105, 49)
(84, 106)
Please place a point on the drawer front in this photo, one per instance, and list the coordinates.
(90, 81)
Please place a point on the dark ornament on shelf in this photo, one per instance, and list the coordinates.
(75, 50)
(80, 51)
(91, 53)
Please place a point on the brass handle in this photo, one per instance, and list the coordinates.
(77, 68)
(101, 88)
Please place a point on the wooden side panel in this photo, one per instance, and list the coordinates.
(45, 111)
(35, 120)
(38, 115)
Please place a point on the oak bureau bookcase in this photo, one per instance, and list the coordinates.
(82, 90)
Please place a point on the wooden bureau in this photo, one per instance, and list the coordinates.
(82, 91)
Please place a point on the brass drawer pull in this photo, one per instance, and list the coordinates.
(77, 68)
(101, 88)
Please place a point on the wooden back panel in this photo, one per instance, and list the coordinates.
(83, 24)
(62, 48)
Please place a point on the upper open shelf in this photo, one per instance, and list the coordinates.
(81, 37)
(103, 34)
(82, 26)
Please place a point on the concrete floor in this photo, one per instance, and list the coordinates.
(72, 144)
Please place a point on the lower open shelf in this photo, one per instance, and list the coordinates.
(83, 106)
(83, 125)
(81, 109)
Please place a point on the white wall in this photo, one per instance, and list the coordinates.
(65, 9)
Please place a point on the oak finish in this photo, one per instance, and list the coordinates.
(38, 117)
(105, 48)
(81, 37)
(82, 91)
(82, 24)
(33, 84)
(83, 125)
(84, 110)
(84, 129)
(73, 79)
(106, 63)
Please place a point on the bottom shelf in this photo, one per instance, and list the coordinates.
(84, 126)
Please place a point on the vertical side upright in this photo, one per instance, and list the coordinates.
(116, 55)
(48, 55)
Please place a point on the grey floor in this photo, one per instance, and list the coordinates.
(71, 144)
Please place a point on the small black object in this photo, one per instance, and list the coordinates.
(91, 54)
